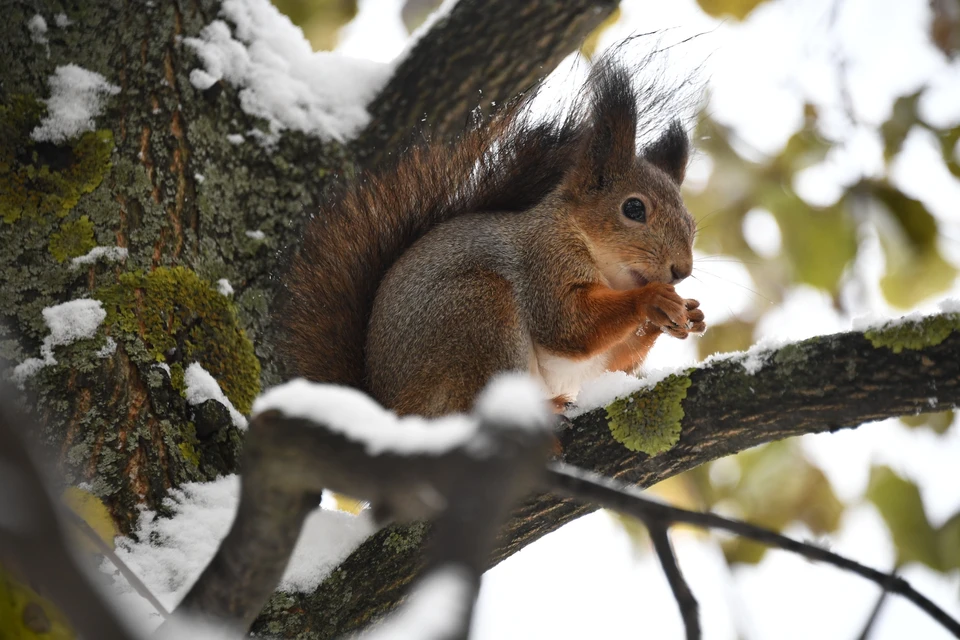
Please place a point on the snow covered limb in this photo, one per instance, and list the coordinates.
(465, 473)
(821, 384)
(477, 53)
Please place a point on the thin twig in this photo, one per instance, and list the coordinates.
(121, 566)
(689, 610)
(874, 615)
(582, 485)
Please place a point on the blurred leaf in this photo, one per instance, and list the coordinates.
(894, 131)
(415, 12)
(777, 486)
(739, 9)
(936, 422)
(949, 145)
(589, 46)
(732, 335)
(918, 224)
(945, 27)
(804, 149)
(94, 513)
(926, 275)
(26, 615)
(901, 507)
(948, 543)
(819, 243)
(350, 505)
(320, 19)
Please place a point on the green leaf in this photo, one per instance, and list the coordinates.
(899, 503)
(739, 9)
(948, 543)
(937, 422)
(895, 130)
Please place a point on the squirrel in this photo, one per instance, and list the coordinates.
(547, 246)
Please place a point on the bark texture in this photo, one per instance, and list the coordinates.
(160, 179)
(478, 56)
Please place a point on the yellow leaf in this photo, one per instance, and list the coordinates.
(345, 503)
(948, 539)
(937, 422)
(901, 507)
(26, 615)
(92, 511)
(739, 9)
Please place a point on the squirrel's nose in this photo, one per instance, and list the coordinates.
(679, 272)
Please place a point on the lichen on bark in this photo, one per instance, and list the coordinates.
(649, 420)
(914, 334)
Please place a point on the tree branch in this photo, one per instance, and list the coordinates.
(822, 384)
(483, 53)
(612, 494)
(689, 610)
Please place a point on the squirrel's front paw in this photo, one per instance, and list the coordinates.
(674, 315)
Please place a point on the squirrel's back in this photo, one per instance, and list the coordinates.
(505, 164)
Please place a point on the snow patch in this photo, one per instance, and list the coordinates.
(170, 553)
(110, 254)
(513, 399)
(281, 78)
(76, 98)
(255, 234)
(38, 29)
(224, 287)
(950, 305)
(199, 178)
(235, 138)
(201, 387)
(67, 322)
(61, 20)
(357, 417)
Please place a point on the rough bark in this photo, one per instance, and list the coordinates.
(480, 55)
(819, 385)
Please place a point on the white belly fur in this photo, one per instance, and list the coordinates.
(563, 376)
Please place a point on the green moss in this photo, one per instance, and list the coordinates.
(189, 453)
(405, 538)
(180, 319)
(41, 180)
(74, 238)
(914, 334)
(649, 421)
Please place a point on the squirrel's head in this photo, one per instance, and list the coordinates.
(629, 204)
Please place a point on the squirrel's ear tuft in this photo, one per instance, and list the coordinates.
(611, 143)
(671, 152)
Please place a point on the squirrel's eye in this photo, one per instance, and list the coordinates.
(634, 209)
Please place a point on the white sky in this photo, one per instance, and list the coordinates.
(585, 581)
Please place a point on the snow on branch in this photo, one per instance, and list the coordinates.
(281, 79)
(305, 438)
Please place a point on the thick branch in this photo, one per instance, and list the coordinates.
(482, 53)
(822, 384)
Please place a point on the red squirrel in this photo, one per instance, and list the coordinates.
(546, 246)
